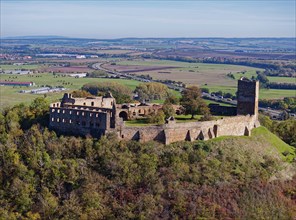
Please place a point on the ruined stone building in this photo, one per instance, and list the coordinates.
(98, 116)
(82, 116)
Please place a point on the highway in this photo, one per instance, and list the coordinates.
(274, 114)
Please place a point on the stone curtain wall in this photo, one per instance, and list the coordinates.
(217, 109)
(173, 132)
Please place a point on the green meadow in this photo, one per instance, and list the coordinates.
(17, 67)
(9, 95)
(263, 93)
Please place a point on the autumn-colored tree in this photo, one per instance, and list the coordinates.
(120, 92)
(81, 94)
(152, 91)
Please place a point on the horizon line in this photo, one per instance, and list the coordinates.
(130, 37)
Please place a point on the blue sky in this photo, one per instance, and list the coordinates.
(116, 19)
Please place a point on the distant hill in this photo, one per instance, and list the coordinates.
(34, 37)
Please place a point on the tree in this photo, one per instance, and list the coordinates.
(156, 117)
(192, 102)
(171, 99)
(152, 90)
(39, 106)
(120, 92)
(168, 110)
(81, 94)
(262, 78)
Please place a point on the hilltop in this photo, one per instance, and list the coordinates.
(48, 176)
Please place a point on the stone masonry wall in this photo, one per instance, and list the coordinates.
(173, 132)
(247, 97)
(79, 121)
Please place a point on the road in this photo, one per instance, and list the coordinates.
(274, 114)
(98, 66)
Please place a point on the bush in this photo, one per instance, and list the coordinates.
(156, 117)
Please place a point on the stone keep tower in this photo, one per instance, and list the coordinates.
(247, 97)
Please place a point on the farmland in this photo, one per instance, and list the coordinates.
(71, 69)
(10, 95)
(282, 79)
(250, 74)
(26, 67)
(189, 73)
(263, 94)
(211, 76)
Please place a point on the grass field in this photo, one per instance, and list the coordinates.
(269, 144)
(138, 122)
(263, 93)
(10, 95)
(212, 76)
(27, 67)
(116, 52)
(276, 93)
(275, 141)
(191, 73)
(249, 75)
(187, 118)
(282, 79)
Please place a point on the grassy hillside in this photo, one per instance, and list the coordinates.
(262, 141)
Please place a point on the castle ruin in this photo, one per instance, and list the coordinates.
(98, 116)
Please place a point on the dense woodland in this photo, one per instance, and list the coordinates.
(46, 176)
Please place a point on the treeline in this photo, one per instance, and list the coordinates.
(287, 71)
(274, 85)
(123, 94)
(223, 60)
(233, 61)
(286, 130)
(120, 92)
(97, 74)
(264, 82)
(152, 91)
(285, 104)
(45, 176)
(271, 69)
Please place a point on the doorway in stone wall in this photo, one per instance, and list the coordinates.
(247, 132)
(123, 115)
